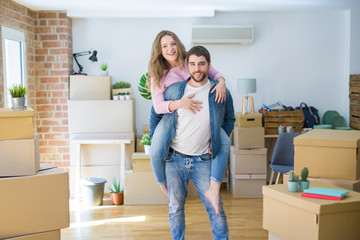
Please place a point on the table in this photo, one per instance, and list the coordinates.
(98, 138)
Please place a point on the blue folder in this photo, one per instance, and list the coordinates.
(327, 191)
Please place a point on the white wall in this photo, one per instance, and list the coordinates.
(296, 56)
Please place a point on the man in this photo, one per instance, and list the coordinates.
(190, 137)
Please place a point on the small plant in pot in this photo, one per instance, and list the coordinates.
(18, 93)
(146, 141)
(304, 183)
(122, 96)
(117, 195)
(104, 71)
(293, 182)
(127, 96)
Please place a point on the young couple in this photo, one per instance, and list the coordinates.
(191, 121)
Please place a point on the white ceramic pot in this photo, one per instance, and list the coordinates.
(116, 97)
(147, 149)
(122, 97)
(104, 73)
(127, 97)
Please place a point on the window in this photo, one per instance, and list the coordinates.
(13, 42)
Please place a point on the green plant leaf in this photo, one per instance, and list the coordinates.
(143, 88)
(145, 140)
(18, 91)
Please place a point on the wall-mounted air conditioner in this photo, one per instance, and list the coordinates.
(222, 34)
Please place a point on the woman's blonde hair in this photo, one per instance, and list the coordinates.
(158, 64)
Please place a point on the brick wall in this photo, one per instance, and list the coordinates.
(49, 64)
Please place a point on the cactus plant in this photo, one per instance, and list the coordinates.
(304, 174)
(292, 177)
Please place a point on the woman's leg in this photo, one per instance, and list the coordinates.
(218, 166)
(157, 152)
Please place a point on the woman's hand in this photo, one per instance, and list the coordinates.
(191, 105)
(220, 89)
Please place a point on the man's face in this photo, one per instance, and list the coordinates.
(198, 68)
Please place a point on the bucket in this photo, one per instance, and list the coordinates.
(18, 103)
(92, 191)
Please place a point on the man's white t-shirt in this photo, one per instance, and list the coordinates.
(193, 134)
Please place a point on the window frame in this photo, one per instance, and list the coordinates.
(19, 36)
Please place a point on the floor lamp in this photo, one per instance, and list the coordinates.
(246, 86)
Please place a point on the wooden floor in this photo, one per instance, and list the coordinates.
(151, 221)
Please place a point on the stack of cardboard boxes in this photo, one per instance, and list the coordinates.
(93, 115)
(34, 201)
(333, 160)
(248, 166)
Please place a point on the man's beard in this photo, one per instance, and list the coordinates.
(201, 79)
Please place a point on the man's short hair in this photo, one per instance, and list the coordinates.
(199, 51)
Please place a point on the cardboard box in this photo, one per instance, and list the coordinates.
(290, 216)
(247, 185)
(142, 188)
(90, 87)
(328, 153)
(51, 235)
(141, 162)
(19, 157)
(272, 236)
(249, 137)
(248, 161)
(34, 204)
(349, 185)
(16, 124)
(248, 120)
(146, 129)
(107, 116)
(139, 148)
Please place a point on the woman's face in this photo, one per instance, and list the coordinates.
(169, 50)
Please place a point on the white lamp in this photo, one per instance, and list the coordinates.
(246, 86)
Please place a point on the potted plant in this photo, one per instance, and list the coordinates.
(293, 182)
(116, 97)
(143, 87)
(18, 93)
(304, 183)
(121, 87)
(104, 71)
(122, 96)
(146, 141)
(117, 195)
(127, 96)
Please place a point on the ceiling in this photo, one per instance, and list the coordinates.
(182, 8)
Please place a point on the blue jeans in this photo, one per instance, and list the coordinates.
(159, 151)
(179, 169)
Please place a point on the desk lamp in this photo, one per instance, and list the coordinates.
(92, 58)
(246, 86)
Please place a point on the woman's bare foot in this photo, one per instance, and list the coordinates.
(213, 195)
(164, 188)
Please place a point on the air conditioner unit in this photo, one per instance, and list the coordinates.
(222, 34)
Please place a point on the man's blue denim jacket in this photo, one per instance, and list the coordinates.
(221, 115)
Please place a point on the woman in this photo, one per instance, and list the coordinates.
(167, 66)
